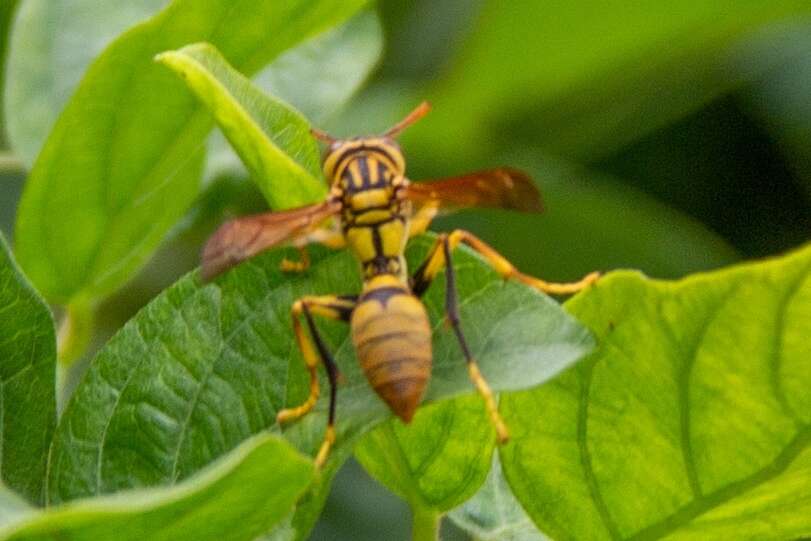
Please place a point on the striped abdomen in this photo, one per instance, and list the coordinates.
(392, 338)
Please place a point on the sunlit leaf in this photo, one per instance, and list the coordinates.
(271, 138)
(316, 77)
(692, 420)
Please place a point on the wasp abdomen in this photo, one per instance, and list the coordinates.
(392, 338)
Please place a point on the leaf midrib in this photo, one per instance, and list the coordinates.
(700, 506)
(282, 156)
(702, 503)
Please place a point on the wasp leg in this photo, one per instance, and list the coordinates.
(332, 307)
(507, 270)
(422, 278)
(331, 238)
(288, 265)
(422, 219)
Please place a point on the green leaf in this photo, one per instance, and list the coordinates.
(494, 514)
(692, 420)
(27, 397)
(439, 460)
(52, 44)
(7, 10)
(299, 523)
(316, 77)
(272, 139)
(124, 159)
(51, 51)
(203, 367)
(212, 505)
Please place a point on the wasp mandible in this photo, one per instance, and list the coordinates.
(376, 210)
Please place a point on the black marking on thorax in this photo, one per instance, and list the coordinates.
(382, 294)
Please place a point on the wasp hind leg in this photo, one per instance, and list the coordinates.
(422, 278)
(332, 307)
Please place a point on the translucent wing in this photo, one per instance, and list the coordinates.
(242, 238)
(504, 188)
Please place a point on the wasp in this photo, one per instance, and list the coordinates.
(375, 210)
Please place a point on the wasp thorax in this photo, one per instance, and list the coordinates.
(341, 153)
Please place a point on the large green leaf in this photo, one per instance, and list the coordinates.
(439, 460)
(203, 367)
(272, 139)
(27, 399)
(212, 505)
(123, 161)
(692, 420)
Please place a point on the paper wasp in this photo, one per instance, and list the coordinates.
(376, 210)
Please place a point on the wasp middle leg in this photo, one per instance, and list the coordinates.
(439, 257)
(331, 238)
(332, 307)
(436, 260)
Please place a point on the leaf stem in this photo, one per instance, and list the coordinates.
(425, 523)
(9, 163)
(75, 332)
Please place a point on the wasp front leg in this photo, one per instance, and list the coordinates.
(331, 238)
(332, 307)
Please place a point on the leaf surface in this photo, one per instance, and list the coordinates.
(317, 77)
(51, 45)
(493, 513)
(124, 159)
(212, 505)
(272, 139)
(692, 420)
(27, 398)
(439, 460)
(203, 367)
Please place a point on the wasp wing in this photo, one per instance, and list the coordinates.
(242, 238)
(504, 188)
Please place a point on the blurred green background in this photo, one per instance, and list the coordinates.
(668, 137)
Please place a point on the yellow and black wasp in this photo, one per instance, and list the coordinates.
(376, 209)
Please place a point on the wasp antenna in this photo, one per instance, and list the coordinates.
(322, 135)
(420, 111)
